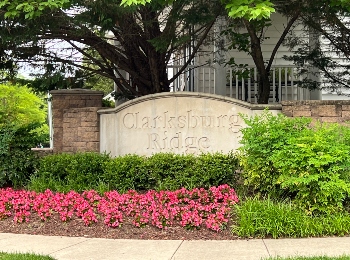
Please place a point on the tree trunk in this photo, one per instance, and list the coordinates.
(264, 88)
(263, 73)
(158, 71)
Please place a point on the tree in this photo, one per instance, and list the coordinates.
(95, 81)
(252, 38)
(149, 34)
(323, 16)
(22, 127)
(330, 54)
(21, 107)
(10, 12)
(138, 40)
(254, 16)
(248, 9)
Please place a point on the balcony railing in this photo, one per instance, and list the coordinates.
(241, 84)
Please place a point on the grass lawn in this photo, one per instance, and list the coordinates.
(27, 256)
(310, 258)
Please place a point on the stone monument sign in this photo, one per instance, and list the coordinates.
(180, 122)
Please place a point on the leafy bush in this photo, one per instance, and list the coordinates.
(17, 161)
(172, 171)
(287, 157)
(65, 172)
(22, 127)
(264, 135)
(20, 106)
(315, 166)
(126, 173)
(264, 218)
(169, 171)
(164, 171)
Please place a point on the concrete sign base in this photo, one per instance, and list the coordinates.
(179, 122)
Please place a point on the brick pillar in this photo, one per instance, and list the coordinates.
(75, 120)
(330, 111)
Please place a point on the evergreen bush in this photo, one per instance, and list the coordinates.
(17, 160)
(163, 171)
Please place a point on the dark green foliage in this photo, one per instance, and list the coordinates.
(150, 32)
(65, 172)
(216, 169)
(125, 173)
(17, 161)
(108, 103)
(171, 171)
(164, 171)
(286, 157)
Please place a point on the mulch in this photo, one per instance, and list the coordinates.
(76, 228)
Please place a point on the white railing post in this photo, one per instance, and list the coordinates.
(255, 85)
(274, 99)
(205, 80)
(295, 90)
(286, 83)
(280, 84)
(230, 81)
(249, 88)
(49, 115)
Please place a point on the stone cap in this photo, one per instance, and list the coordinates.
(190, 95)
(315, 102)
(77, 91)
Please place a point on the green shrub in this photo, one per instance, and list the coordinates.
(315, 166)
(216, 169)
(263, 136)
(127, 172)
(164, 171)
(285, 157)
(22, 127)
(65, 172)
(265, 218)
(17, 161)
(170, 171)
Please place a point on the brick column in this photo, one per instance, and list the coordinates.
(331, 111)
(75, 120)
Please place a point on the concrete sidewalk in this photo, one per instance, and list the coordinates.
(80, 248)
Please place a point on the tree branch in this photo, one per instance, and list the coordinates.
(281, 39)
(193, 54)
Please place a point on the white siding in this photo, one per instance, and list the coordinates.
(272, 34)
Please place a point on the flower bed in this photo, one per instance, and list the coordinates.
(191, 209)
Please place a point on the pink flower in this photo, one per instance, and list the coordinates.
(191, 209)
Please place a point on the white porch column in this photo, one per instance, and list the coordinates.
(219, 57)
(124, 75)
(49, 116)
